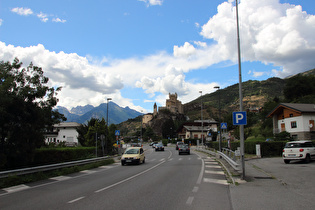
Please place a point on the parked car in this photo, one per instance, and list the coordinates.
(179, 143)
(159, 147)
(133, 155)
(183, 148)
(298, 150)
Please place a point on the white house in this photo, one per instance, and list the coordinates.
(63, 132)
(296, 119)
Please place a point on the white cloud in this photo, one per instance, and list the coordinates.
(152, 2)
(43, 17)
(184, 51)
(22, 11)
(270, 32)
(58, 20)
(1, 21)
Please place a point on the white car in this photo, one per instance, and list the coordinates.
(298, 150)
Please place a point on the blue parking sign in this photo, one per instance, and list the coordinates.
(239, 118)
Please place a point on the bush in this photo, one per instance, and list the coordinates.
(45, 156)
(164, 142)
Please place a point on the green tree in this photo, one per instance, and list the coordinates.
(26, 112)
(299, 89)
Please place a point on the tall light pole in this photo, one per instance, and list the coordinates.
(240, 92)
(220, 140)
(108, 99)
(141, 127)
(201, 118)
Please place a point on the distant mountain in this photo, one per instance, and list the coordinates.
(81, 110)
(116, 114)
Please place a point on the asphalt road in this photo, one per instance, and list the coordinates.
(166, 181)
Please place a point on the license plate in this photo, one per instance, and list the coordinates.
(291, 155)
(128, 161)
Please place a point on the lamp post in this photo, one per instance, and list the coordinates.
(108, 99)
(141, 127)
(240, 92)
(220, 140)
(201, 118)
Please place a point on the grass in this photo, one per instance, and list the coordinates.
(14, 180)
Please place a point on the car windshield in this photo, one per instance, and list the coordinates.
(132, 151)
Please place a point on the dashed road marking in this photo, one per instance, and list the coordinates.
(189, 200)
(75, 200)
(215, 181)
(195, 189)
(61, 178)
(207, 166)
(16, 188)
(214, 172)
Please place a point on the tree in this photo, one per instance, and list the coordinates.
(300, 89)
(26, 112)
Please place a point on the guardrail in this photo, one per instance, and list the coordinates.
(23, 171)
(227, 158)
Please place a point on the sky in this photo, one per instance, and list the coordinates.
(136, 52)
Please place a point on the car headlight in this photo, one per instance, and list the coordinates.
(123, 158)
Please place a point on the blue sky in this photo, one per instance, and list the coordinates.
(138, 51)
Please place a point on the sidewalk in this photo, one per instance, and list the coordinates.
(260, 190)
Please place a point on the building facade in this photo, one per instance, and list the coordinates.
(296, 119)
(63, 132)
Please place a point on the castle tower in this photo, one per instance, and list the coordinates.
(154, 109)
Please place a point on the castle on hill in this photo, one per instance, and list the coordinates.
(172, 104)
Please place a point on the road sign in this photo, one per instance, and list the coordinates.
(239, 118)
(223, 125)
(117, 132)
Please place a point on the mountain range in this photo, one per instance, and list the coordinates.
(255, 94)
(81, 114)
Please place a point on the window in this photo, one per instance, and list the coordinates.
(293, 124)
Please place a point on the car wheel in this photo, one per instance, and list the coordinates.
(286, 161)
(122, 163)
(307, 158)
(143, 160)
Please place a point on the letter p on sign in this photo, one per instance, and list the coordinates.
(239, 118)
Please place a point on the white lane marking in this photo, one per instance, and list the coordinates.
(195, 189)
(215, 181)
(170, 159)
(16, 188)
(180, 159)
(134, 176)
(207, 166)
(88, 171)
(211, 162)
(75, 200)
(214, 172)
(163, 159)
(189, 200)
(61, 178)
(201, 171)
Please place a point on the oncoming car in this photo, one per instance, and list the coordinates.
(133, 155)
(298, 150)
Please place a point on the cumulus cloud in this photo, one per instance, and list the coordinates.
(43, 17)
(1, 21)
(271, 32)
(152, 2)
(22, 11)
(184, 51)
(71, 71)
(58, 20)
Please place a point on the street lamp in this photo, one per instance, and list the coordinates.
(108, 99)
(201, 118)
(220, 140)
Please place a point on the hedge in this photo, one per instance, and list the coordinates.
(45, 156)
